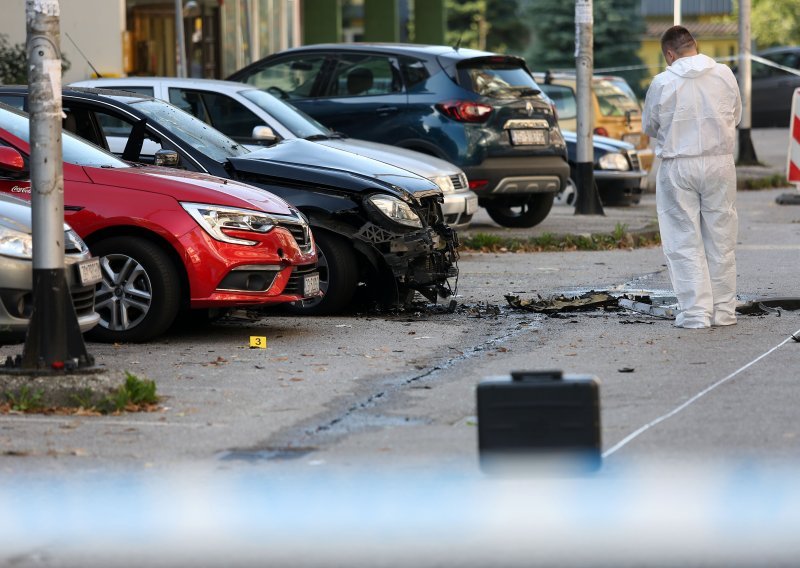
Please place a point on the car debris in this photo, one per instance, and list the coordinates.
(763, 306)
(585, 302)
(643, 306)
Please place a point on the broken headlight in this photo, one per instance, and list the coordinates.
(614, 161)
(396, 210)
(216, 219)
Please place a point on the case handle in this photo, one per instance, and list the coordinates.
(548, 375)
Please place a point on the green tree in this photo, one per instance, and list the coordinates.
(493, 25)
(14, 63)
(13, 58)
(618, 27)
(775, 22)
(466, 23)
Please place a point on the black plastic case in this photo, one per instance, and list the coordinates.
(539, 418)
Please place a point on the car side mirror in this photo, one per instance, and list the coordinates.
(11, 160)
(264, 134)
(167, 158)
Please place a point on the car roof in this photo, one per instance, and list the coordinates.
(402, 48)
(217, 84)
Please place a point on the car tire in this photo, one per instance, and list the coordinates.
(139, 296)
(524, 214)
(338, 276)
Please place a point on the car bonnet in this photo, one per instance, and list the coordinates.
(190, 186)
(313, 163)
(416, 162)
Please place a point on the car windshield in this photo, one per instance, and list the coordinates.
(615, 97)
(296, 121)
(193, 131)
(497, 79)
(74, 150)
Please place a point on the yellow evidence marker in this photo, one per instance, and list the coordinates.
(258, 342)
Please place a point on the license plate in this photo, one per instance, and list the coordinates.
(528, 137)
(311, 285)
(472, 206)
(634, 139)
(89, 271)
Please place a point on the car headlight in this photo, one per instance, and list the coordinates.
(444, 183)
(216, 219)
(613, 161)
(396, 210)
(72, 242)
(15, 243)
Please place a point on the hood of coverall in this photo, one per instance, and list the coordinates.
(692, 66)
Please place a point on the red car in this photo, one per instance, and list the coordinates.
(170, 240)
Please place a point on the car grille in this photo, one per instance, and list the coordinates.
(295, 285)
(633, 157)
(83, 300)
(459, 181)
(300, 232)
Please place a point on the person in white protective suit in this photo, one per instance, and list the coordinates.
(691, 110)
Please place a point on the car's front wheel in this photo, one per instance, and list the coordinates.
(521, 212)
(139, 296)
(338, 276)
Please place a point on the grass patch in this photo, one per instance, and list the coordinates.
(619, 238)
(25, 400)
(769, 182)
(135, 395)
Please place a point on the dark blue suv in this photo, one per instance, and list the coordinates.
(481, 111)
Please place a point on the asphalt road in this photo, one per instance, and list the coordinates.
(352, 440)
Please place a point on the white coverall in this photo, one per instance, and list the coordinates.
(691, 111)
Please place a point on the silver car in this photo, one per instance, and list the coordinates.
(16, 272)
(256, 119)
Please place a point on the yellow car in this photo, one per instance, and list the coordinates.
(615, 109)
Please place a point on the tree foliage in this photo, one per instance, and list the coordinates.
(618, 27)
(14, 63)
(493, 25)
(775, 22)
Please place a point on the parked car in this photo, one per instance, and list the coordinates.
(255, 118)
(616, 112)
(379, 229)
(16, 266)
(481, 111)
(170, 240)
(772, 88)
(618, 174)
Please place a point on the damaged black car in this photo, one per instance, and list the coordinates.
(379, 229)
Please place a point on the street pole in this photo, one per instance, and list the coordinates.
(587, 201)
(54, 339)
(180, 41)
(747, 152)
(676, 13)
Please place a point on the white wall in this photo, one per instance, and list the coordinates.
(95, 25)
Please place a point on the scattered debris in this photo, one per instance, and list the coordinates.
(644, 306)
(796, 338)
(763, 306)
(626, 370)
(558, 304)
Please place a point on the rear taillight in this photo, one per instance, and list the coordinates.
(478, 184)
(555, 111)
(465, 111)
(600, 131)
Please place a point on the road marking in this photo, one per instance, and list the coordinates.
(768, 247)
(707, 390)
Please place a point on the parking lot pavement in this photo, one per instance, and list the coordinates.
(362, 430)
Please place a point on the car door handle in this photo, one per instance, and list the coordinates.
(386, 110)
(73, 207)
